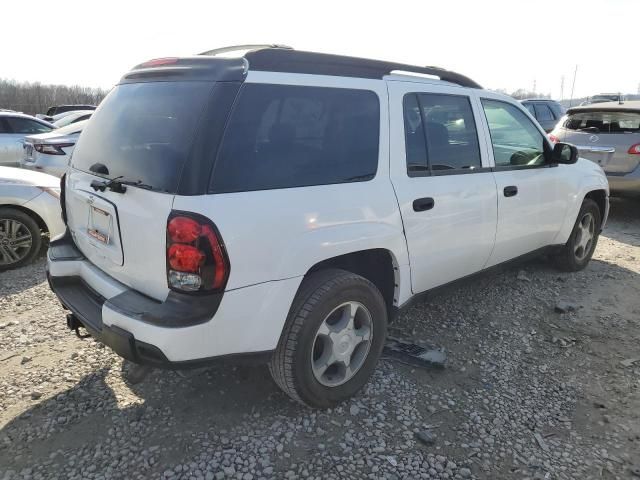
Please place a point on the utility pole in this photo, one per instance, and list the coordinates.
(575, 73)
(562, 88)
(534, 86)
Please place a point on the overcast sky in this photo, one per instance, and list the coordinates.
(499, 43)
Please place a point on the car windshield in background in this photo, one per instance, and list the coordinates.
(143, 132)
(604, 122)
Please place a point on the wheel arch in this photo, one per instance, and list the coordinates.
(37, 218)
(600, 197)
(378, 265)
(597, 193)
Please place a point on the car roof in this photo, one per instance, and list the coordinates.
(274, 58)
(628, 106)
(539, 100)
(24, 115)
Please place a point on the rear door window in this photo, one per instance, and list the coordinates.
(543, 112)
(143, 132)
(604, 122)
(445, 124)
(282, 136)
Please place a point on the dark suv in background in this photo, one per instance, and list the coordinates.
(547, 112)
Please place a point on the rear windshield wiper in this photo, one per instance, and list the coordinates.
(118, 185)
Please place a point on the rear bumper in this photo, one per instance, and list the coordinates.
(625, 184)
(243, 325)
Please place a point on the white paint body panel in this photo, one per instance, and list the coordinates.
(274, 237)
(135, 253)
(456, 236)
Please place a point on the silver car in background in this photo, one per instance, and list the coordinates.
(29, 213)
(50, 152)
(609, 135)
(13, 128)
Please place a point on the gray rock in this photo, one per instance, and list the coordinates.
(563, 306)
(465, 473)
(426, 437)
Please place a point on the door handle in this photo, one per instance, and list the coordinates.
(422, 204)
(510, 191)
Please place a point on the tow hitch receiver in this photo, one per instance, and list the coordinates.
(74, 324)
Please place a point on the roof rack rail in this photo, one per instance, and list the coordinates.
(250, 47)
(278, 59)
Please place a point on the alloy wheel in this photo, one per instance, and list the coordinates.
(15, 241)
(342, 344)
(584, 236)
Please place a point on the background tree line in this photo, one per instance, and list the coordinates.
(34, 97)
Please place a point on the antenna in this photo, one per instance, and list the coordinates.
(575, 73)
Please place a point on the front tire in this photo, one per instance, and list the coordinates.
(577, 252)
(332, 339)
(20, 238)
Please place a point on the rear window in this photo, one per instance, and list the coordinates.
(143, 132)
(282, 136)
(604, 122)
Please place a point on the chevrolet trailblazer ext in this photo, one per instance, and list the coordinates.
(284, 205)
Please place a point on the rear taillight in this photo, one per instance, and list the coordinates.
(553, 138)
(196, 258)
(52, 149)
(634, 149)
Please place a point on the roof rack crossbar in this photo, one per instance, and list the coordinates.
(250, 47)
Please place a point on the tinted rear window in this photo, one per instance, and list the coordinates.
(144, 131)
(282, 136)
(604, 122)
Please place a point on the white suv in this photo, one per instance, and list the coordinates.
(284, 205)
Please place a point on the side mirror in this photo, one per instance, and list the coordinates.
(564, 153)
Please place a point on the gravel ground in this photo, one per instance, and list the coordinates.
(539, 383)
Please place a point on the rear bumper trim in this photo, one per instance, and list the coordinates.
(178, 310)
(86, 306)
(622, 183)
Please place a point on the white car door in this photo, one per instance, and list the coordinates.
(443, 181)
(533, 194)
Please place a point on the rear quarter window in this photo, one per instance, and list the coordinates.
(284, 136)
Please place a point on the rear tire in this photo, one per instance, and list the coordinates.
(332, 339)
(20, 238)
(577, 252)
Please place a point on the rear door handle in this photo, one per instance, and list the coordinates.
(510, 191)
(422, 204)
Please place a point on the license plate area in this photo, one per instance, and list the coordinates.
(100, 224)
(93, 221)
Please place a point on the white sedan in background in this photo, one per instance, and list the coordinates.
(29, 213)
(50, 152)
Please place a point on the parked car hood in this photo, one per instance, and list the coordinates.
(20, 176)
